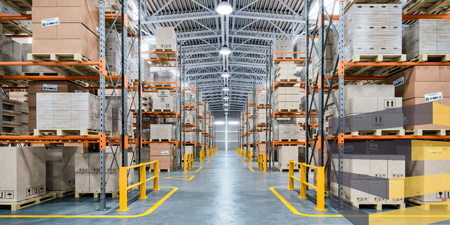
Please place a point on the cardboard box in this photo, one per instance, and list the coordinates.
(82, 182)
(69, 11)
(396, 166)
(23, 173)
(60, 168)
(165, 162)
(286, 153)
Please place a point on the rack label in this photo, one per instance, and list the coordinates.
(50, 22)
(373, 146)
(146, 131)
(165, 153)
(399, 81)
(50, 87)
(78, 91)
(405, 120)
(433, 97)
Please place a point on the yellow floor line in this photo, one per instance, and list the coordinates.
(387, 214)
(287, 204)
(98, 216)
(181, 177)
(259, 171)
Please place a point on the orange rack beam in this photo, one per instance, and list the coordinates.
(58, 78)
(15, 16)
(425, 16)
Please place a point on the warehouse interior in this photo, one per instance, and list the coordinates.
(225, 111)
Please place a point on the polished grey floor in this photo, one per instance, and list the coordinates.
(223, 191)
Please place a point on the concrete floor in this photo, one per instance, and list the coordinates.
(223, 191)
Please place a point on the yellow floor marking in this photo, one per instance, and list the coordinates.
(209, 160)
(375, 218)
(198, 169)
(181, 177)
(98, 216)
(287, 204)
(259, 171)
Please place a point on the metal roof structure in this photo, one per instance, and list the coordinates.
(249, 32)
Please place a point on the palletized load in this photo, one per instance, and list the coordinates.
(23, 173)
(162, 132)
(287, 99)
(87, 170)
(166, 39)
(284, 45)
(262, 116)
(165, 78)
(370, 108)
(426, 36)
(285, 154)
(76, 30)
(373, 29)
(286, 130)
(69, 111)
(14, 116)
(60, 167)
(285, 72)
(426, 99)
(116, 114)
(164, 101)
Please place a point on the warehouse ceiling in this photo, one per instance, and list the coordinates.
(249, 32)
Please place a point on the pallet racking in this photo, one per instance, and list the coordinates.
(102, 75)
(323, 83)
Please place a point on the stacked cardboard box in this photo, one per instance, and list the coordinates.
(426, 170)
(162, 131)
(425, 95)
(329, 62)
(47, 87)
(60, 168)
(70, 111)
(262, 116)
(285, 72)
(284, 45)
(371, 178)
(285, 154)
(426, 36)
(368, 108)
(87, 171)
(164, 153)
(164, 101)
(114, 52)
(74, 29)
(115, 106)
(14, 116)
(287, 99)
(190, 137)
(12, 52)
(23, 173)
(300, 46)
(5, 9)
(166, 38)
(286, 130)
(373, 29)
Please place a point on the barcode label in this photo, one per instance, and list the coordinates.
(399, 81)
(165, 153)
(146, 131)
(373, 146)
(78, 91)
(50, 22)
(50, 87)
(433, 97)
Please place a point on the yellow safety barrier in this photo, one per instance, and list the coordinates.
(320, 183)
(207, 153)
(262, 161)
(202, 155)
(243, 153)
(123, 179)
(249, 155)
(237, 150)
(188, 161)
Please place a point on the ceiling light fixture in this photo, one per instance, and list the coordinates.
(225, 50)
(226, 104)
(224, 8)
(226, 88)
(226, 98)
(225, 74)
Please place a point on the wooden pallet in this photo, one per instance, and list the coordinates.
(374, 70)
(398, 132)
(160, 140)
(422, 132)
(64, 193)
(431, 58)
(96, 194)
(41, 74)
(163, 85)
(29, 202)
(378, 205)
(20, 6)
(15, 28)
(287, 110)
(65, 57)
(428, 205)
(64, 132)
(162, 110)
(427, 6)
(289, 140)
(164, 170)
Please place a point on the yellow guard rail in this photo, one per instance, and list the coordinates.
(208, 152)
(249, 155)
(188, 161)
(320, 189)
(202, 155)
(123, 188)
(262, 161)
